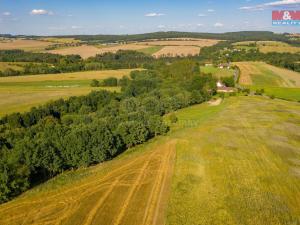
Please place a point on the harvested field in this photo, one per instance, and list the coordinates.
(131, 190)
(173, 51)
(86, 51)
(27, 45)
(182, 42)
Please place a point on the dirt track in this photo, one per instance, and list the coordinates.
(132, 193)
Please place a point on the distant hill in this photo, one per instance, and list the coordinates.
(231, 36)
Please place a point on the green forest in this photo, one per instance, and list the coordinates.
(84, 130)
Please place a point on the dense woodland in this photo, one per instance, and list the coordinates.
(84, 130)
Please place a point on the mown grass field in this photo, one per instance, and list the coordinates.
(132, 189)
(217, 72)
(262, 74)
(19, 94)
(290, 94)
(236, 163)
(268, 46)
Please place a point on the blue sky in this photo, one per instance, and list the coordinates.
(57, 17)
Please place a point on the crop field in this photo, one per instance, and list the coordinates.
(61, 40)
(23, 92)
(248, 172)
(262, 74)
(182, 42)
(27, 45)
(173, 51)
(217, 72)
(86, 51)
(157, 48)
(269, 46)
(130, 190)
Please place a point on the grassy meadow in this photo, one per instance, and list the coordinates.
(247, 172)
(262, 74)
(217, 72)
(19, 94)
(238, 165)
(267, 46)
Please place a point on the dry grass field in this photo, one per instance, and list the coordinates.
(19, 94)
(173, 51)
(27, 45)
(262, 74)
(130, 190)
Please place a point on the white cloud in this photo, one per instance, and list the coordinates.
(161, 26)
(154, 14)
(272, 4)
(76, 27)
(201, 15)
(41, 12)
(6, 14)
(200, 25)
(218, 24)
(211, 10)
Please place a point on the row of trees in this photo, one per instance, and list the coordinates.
(85, 130)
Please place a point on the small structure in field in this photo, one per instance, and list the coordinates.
(224, 66)
(222, 88)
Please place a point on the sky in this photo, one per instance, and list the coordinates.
(69, 17)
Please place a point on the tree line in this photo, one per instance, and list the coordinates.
(85, 130)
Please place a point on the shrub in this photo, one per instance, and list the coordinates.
(95, 83)
(173, 118)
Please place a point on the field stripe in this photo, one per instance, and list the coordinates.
(132, 190)
(92, 214)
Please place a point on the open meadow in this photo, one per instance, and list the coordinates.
(248, 172)
(18, 94)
